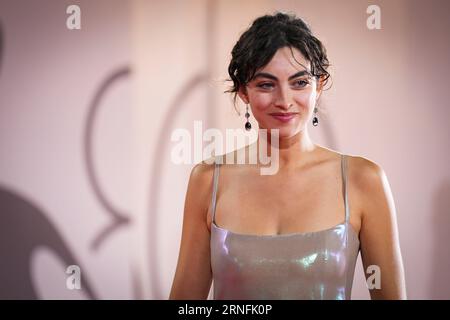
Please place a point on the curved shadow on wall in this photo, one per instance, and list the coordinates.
(440, 263)
(23, 228)
(156, 177)
(118, 219)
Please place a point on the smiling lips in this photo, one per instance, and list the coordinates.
(284, 116)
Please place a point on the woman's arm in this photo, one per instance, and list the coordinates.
(379, 234)
(193, 274)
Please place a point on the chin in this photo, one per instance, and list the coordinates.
(286, 131)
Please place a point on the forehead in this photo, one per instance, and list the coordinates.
(286, 61)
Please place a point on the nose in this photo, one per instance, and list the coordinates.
(283, 99)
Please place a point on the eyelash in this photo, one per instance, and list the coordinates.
(263, 85)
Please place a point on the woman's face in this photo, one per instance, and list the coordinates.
(282, 94)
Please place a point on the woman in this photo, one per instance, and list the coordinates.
(295, 234)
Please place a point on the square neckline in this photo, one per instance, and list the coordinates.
(346, 223)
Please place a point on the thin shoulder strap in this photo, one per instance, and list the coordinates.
(214, 193)
(344, 186)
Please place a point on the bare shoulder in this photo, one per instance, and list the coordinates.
(200, 183)
(365, 173)
(379, 232)
(371, 186)
(202, 171)
(364, 176)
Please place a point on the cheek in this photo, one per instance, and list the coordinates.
(261, 102)
(305, 100)
(302, 99)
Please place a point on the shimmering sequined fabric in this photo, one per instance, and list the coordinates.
(309, 265)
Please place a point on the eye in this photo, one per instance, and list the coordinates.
(265, 85)
(301, 83)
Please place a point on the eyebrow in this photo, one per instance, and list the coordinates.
(270, 76)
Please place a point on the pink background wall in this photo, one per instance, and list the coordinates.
(86, 118)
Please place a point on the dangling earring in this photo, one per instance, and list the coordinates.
(248, 125)
(315, 121)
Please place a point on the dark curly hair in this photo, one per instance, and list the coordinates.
(257, 45)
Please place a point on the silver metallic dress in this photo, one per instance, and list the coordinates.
(308, 265)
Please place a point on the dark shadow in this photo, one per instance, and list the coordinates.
(118, 218)
(23, 228)
(156, 176)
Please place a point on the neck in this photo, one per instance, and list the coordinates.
(291, 150)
